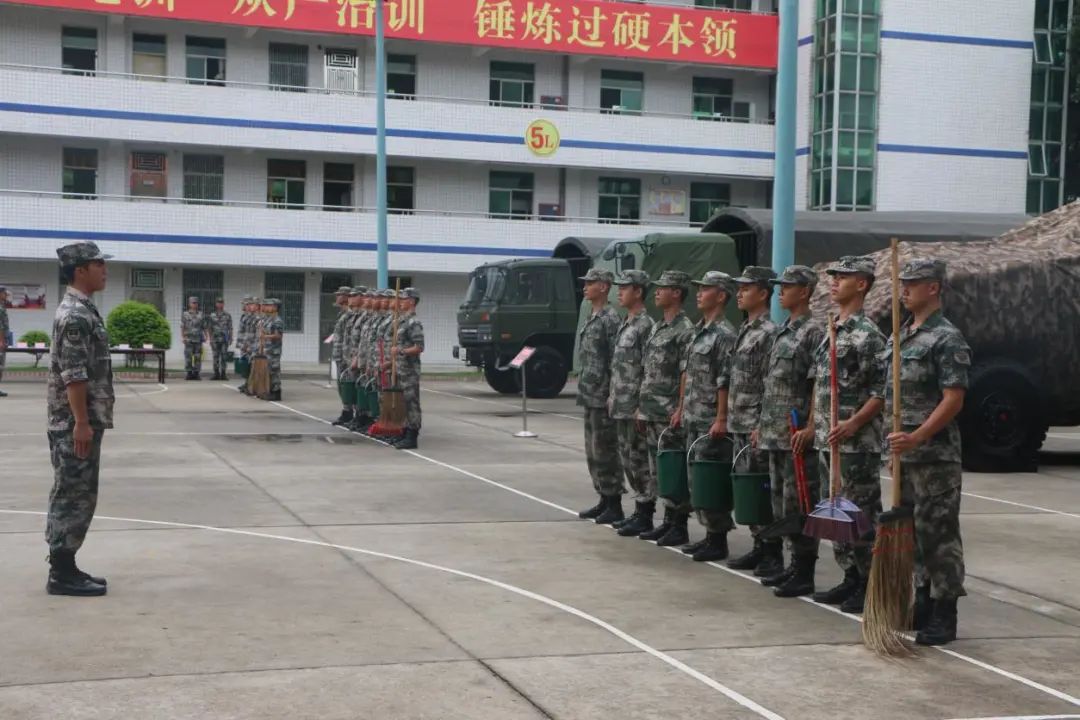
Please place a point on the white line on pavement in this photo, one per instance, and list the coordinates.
(1024, 505)
(502, 404)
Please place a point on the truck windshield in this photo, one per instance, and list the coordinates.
(486, 285)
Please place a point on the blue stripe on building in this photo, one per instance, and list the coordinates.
(957, 39)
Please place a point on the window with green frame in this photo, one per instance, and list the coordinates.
(288, 287)
(285, 183)
(1049, 97)
(512, 84)
(510, 194)
(728, 4)
(712, 97)
(620, 200)
(706, 198)
(622, 91)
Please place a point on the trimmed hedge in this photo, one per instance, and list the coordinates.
(138, 324)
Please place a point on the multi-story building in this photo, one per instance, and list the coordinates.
(227, 148)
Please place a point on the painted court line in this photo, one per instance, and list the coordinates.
(501, 404)
(569, 609)
(1024, 505)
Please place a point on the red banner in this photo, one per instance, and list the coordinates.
(580, 27)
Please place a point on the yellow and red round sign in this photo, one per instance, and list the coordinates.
(542, 137)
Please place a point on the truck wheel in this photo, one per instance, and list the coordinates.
(545, 374)
(507, 382)
(1002, 422)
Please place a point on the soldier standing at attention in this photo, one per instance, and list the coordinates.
(596, 344)
(660, 387)
(193, 330)
(273, 334)
(703, 408)
(220, 326)
(244, 333)
(348, 322)
(337, 355)
(408, 346)
(789, 386)
(80, 406)
(748, 367)
(4, 328)
(356, 328)
(860, 378)
(934, 362)
(627, 366)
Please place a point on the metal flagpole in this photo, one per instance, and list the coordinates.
(783, 240)
(383, 260)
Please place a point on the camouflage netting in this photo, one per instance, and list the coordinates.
(1015, 297)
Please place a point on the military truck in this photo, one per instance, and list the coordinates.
(538, 302)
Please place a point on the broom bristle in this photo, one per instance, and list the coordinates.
(259, 378)
(888, 591)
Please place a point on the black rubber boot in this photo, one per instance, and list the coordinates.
(772, 559)
(640, 522)
(409, 440)
(941, 629)
(924, 608)
(801, 581)
(677, 534)
(750, 560)
(660, 530)
(242, 388)
(855, 603)
(612, 512)
(345, 417)
(715, 548)
(274, 396)
(839, 593)
(632, 517)
(694, 546)
(66, 579)
(778, 579)
(594, 512)
(224, 376)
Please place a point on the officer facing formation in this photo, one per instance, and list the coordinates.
(220, 328)
(247, 333)
(193, 331)
(271, 334)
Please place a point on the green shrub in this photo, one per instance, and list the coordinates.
(137, 324)
(35, 336)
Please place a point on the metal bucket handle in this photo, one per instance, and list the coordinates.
(691, 450)
(738, 455)
(660, 440)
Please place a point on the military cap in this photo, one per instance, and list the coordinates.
(192, 299)
(343, 290)
(247, 300)
(633, 277)
(850, 264)
(80, 253)
(411, 292)
(715, 278)
(796, 275)
(755, 274)
(272, 301)
(257, 300)
(924, 269)
(3, 289)
(386, 293)
(357, 291)
(598, 275)
(219, 300)
(673, 278)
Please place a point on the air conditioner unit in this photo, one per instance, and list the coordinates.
(553, 102)
(550, 211)
(148, 174)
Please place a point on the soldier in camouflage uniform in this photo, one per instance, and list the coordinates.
(627, 367)
(407, 347)
(220, 326)
(748, 367)
(80, 406)
(789, 387)
(337, 354)
(658, 398)
(366, 371)
(934, 363)
(859, 380)
(351, 322)
(193, 331)
(704, 404)
(4, 328)
(244, 335)
(273, 332)
(596, 344)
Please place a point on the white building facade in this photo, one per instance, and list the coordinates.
(230, 159)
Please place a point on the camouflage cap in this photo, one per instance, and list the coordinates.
(755, 274)
(598, 275)
(219, 300)
(411, 293)
(192, 299)
(923, 269)
(386, 293)
(256, 300)
(343, 290)
(633, 277)
(357, 291)
(850, 264)
(715, 278)
(796, 275)
(80, 253)
(673, 278)
(272, 301)
(247, 300)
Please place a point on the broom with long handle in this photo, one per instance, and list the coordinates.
(392, 402)
(888, 591)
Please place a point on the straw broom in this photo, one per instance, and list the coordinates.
(392, 400)
(888, 591)
(259, 376)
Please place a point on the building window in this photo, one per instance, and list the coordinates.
(1049, 97)
(620, 200)
(405, 280)
(401, 76)
(80, 173)
(510, 194)
(205, 60)
(726, 4)
(204, 178)
(148, 286)
(289, 289)
(206, 285)
(285, 183)
(512, 84)
(712, 98)
(706, 198)
(622, 91)
(337, 186)
(148, 56)
(400, 194)
(148, 174)
(289, 67)
(78, 50)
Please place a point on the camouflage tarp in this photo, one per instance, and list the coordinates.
(1015, 297)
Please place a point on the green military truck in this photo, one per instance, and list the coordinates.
(538, 301)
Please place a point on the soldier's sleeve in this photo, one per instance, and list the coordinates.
(74, 351)
(725, 350)
(952, 358)
(814, 336)
(3, 324)
(416, 335)
(611, 333)
(684, 340)
(872, 364)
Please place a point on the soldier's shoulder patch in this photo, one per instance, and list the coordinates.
(962, 357)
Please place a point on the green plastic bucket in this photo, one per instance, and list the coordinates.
(710, 482)
(360, 397)
(752, 496)
(242, 366)
(346, 391)
(373, 403)
(671, 479)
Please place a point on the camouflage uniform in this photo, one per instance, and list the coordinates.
(274, 325)
(410, 334)
(4, 328)
(627, 366)
(933, 357)
(193, 331)
(220, 325)
(337, 354)
(597, 344)
(79, 354)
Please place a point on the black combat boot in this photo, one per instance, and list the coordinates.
(66, 579)
(660, 530)
(924, 608)
(839, 593)
(677, 534)
(750, 560)
(772, 559)
(695, 546)
(190, 376)
(779, 578)
(408, 441)
(612, 512)
(941, 629)
(855, 603)
(594, 512)
(345, 417)
(715, 548)
(640, 522)
(273, 396)
(627, 519)
(242, 388)
(801, 581)
(224, 376)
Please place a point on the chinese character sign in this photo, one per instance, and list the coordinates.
(587, 27)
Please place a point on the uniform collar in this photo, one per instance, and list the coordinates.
(931, 322)
(681, 314)
(81, 297)
(794, 323)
